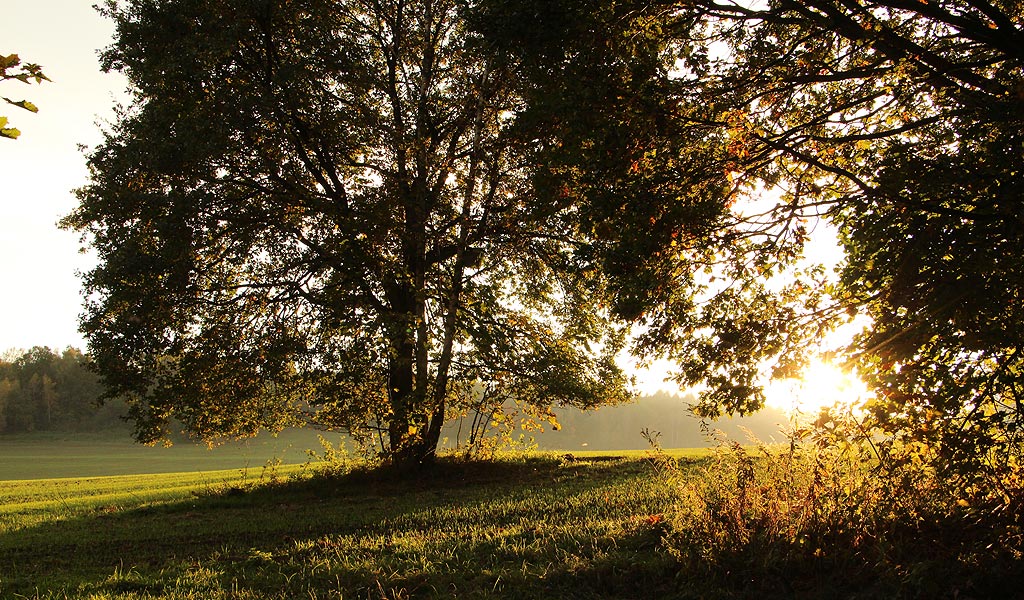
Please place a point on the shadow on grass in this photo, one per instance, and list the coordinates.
(507, 529)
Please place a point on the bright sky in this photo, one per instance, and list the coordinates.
(40, 298)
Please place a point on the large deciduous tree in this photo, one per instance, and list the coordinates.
(354, 212)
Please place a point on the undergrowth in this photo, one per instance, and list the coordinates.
(841, 512)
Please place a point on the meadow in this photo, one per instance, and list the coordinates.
(732, 522)
(522, 527)
(62, 455)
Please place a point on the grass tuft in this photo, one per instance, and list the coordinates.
(831, 516)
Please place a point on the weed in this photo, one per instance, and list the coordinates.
(836, 508)
(334, 459)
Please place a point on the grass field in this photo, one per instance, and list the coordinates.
(48, 456)
(535, 527)
(542, 525)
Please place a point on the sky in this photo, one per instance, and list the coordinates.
(40, 293)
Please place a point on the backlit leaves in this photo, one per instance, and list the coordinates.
(25, 73)
(900, 124)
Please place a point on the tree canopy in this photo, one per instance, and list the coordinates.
(370, 215)
(896, 123)
(899, 123)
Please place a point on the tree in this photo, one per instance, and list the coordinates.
(346, 213)
(26, 74)
(900, 124)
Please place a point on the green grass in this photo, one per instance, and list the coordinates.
(581, 526)
(49, 456)
(529, 527)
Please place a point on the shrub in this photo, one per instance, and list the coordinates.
(839, 511)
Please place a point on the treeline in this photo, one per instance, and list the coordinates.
(47, 390)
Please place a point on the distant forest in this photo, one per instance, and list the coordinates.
(47, 390)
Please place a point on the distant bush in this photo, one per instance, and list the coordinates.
(840, 508)
(334, 459)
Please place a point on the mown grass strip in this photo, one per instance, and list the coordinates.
(49, 455)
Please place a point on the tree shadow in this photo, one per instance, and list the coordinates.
(461, 525)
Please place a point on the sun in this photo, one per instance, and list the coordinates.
(821, 385)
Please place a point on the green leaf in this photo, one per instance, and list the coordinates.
(23, 104)
(8, 132)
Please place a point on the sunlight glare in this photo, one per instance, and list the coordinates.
(822, 385)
